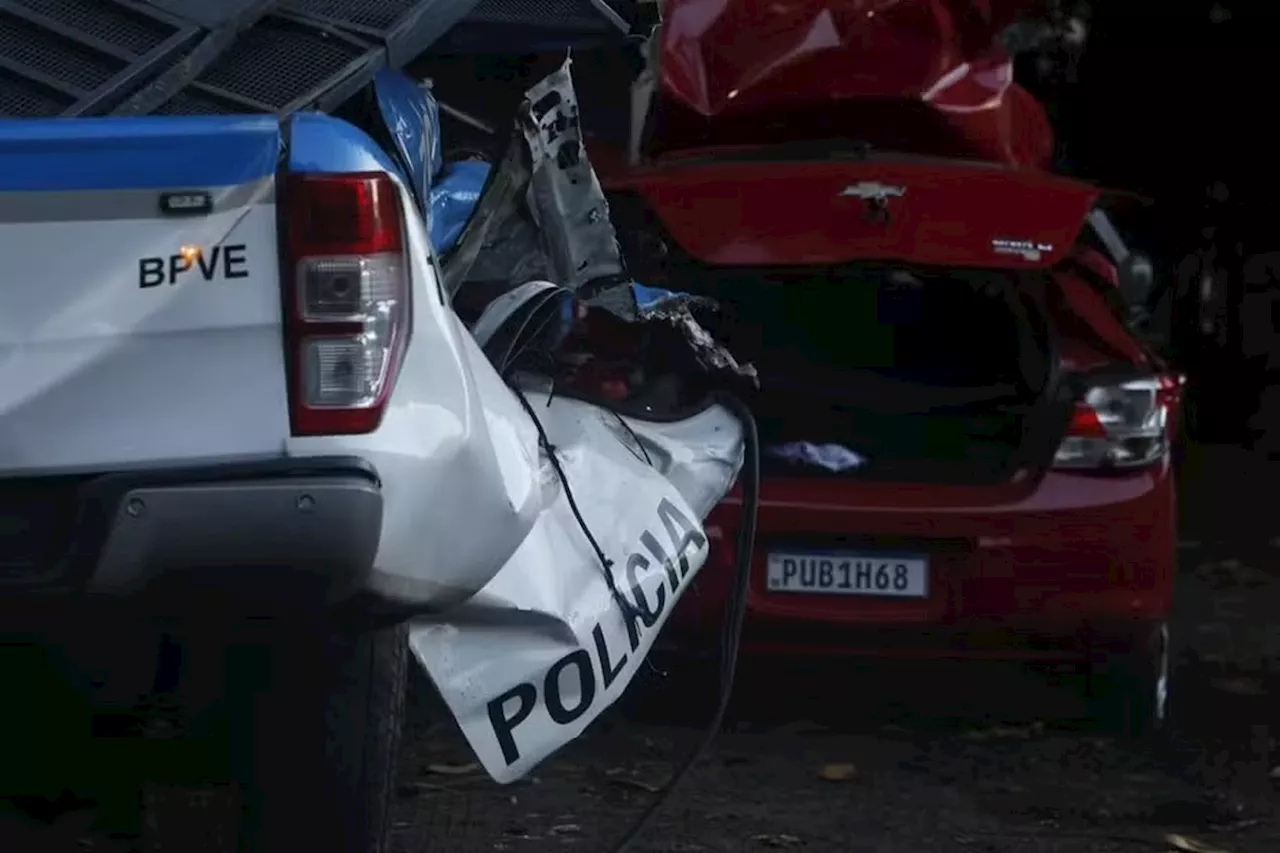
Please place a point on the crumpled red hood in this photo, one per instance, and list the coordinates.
(742, 59)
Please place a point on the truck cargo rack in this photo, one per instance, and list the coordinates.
(80, 57)
(183, 57)
(280, 64)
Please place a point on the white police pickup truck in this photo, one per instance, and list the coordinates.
(252, 463)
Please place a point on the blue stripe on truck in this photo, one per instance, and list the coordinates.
(321, 143)
(136, 152)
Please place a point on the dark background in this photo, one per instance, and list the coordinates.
(1175, 101)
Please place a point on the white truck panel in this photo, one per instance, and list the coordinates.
(98, 373)
(455, 451)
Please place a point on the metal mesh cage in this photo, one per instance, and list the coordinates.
(112, 23)
(193, 102)
(374, 16)
(278, 61)
(278, 64)
(21, 97)
(572, 14)
(86, 57)
(71, 57)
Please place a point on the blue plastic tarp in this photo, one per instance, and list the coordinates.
(453, 199)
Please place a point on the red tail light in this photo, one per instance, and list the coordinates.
(347, 300)
(1121, 424)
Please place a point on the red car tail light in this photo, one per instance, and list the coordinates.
(347, 300)
(1121, 424)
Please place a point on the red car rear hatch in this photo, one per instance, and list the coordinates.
(841, 280)
(746, 209)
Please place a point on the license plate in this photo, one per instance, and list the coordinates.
(848, 574)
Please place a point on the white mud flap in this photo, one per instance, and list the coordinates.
(528, 662)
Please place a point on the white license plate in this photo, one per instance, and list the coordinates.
(848, 574)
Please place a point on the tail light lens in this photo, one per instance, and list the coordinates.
(1125, 424)
(347, 300)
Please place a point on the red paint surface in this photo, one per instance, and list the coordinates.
(762, 211)
(1050, 557)
(1050, 560)
(932, 64)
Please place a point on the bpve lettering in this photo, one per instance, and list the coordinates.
(218, 262)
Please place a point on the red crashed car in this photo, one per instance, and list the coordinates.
(966, 449)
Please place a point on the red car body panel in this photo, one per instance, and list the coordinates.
(935, 64)
(1029, 568)
(754, 211)
(1040, 566)
(1022, 570)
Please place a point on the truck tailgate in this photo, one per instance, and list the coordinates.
(140, 312)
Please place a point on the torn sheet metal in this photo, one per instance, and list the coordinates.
(678, 309)
(638, 303)
(544, 648)
(710, 353)
(564, 193)
(550, 212)
(925, 75)
(544, 217)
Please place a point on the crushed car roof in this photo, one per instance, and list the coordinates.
(182, 57)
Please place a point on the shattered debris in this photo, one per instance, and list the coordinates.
(543, 218)
(617, 444)
(1186, 844)
(779, 840)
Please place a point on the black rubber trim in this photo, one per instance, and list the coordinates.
(98, 500)
(269, 469)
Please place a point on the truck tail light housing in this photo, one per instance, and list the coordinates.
(1121, 424)
(347, 300)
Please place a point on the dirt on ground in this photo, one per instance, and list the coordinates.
(912, 758)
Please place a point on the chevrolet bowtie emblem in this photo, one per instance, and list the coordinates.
(872, 191)
(875, 197)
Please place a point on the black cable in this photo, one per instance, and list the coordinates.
(629, 611)
(735, 613)
(640, 444)
(519, 339)
(735, 605)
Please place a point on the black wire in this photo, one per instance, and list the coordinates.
(629, 611)
(735, 613)
(510, 356)
(735, 605)
(639, 443)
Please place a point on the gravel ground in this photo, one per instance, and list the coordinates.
(913, 758)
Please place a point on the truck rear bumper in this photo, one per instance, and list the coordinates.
(298, 533)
